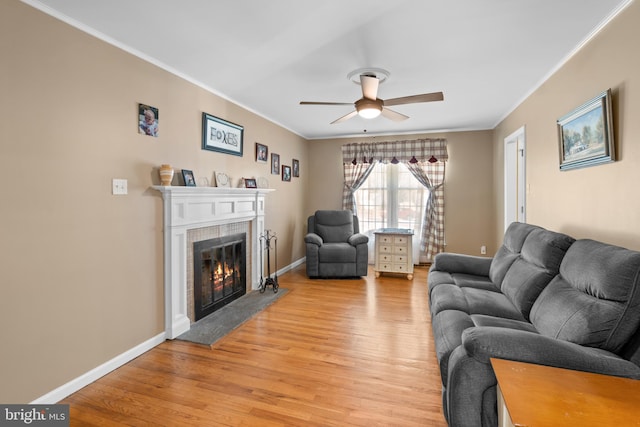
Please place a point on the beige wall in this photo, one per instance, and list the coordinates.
(81, 278)
(469, 201)
(599, 202)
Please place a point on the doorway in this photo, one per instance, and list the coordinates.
(514, 178)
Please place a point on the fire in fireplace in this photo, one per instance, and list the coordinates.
(219, 267)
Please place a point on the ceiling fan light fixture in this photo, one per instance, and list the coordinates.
(368, 108)
(369, 113)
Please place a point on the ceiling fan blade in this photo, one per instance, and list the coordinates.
(393, 115)
(325, 103)
(426, 97)
(345, 117)
(369, 87)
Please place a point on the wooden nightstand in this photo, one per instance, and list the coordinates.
(394, 253)
(535, 395)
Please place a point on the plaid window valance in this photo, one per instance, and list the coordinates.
(423, 150)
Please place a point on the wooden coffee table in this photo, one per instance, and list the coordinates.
(541, 396)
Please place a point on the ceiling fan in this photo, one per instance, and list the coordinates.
(370, 106)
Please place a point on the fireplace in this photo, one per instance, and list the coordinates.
(219, 267)
(189, 210)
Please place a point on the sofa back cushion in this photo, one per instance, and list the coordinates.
(595, 299)
(514, 238)
(334, 226)
(538, 263)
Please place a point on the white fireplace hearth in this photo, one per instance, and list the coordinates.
(190, 208)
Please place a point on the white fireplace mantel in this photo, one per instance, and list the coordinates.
(187, 208)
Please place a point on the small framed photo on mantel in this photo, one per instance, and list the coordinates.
(188, 177)
(250, 183)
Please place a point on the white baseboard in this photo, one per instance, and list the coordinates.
(85, 379)
(291, 266)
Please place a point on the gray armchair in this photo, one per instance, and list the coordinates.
(335, 247)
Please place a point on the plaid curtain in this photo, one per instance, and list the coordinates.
(354, 177)
(425, 158)
(357, 169)
(431, 175)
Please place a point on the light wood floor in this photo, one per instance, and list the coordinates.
(328, 353)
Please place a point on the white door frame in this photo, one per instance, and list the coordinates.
(514, 178)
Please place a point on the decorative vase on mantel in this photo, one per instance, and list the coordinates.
(166, 175)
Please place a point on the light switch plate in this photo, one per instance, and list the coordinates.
(119, 187)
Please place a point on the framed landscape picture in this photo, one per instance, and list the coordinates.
(221, 135)
(586, 134)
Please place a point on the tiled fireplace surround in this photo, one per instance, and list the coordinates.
(193, 214)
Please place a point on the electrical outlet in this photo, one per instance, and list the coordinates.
(483, 250)
(119, 187)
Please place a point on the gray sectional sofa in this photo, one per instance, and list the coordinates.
(544, 298)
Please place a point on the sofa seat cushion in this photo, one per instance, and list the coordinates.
(447, 334)
(437, 278)
(337, 253)
(595, 299)
(472, 301)
(484, 320)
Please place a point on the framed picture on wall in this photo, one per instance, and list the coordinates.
(221, 135)
(585, 134)
(295, 168)
(286, 173)
(262, 153)
(148, 117)
(275, 164)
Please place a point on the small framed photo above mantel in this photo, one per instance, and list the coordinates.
(295, 168)
(275, 164)
(586, 134)
(262, 153)
(148, 117)
(221, 135)
(250, 183)
(286, 173)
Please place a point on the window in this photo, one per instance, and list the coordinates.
(391, 197)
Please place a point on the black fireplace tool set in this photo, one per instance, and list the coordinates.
(268, 241)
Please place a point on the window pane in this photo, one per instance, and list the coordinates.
(376, 207)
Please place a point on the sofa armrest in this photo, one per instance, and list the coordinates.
(313, 238)
(482, 343)
(464, 264)
(358, 239)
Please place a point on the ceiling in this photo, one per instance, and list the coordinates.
(267, 56)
